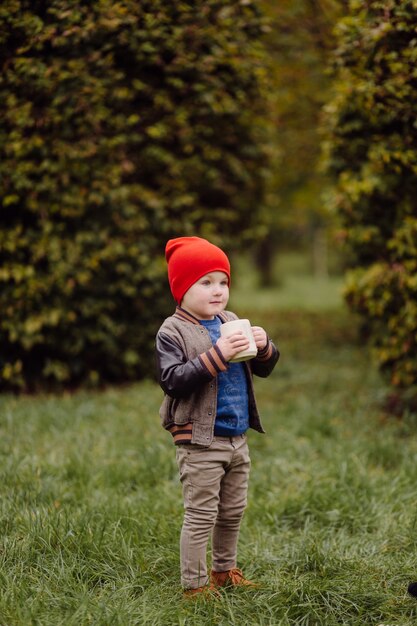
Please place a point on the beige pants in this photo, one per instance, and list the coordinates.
(215, 485)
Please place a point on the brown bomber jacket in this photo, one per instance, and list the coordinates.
(187, 366)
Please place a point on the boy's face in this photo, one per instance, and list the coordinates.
(208, 296)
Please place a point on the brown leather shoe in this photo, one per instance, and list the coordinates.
(206, 591)
(232, 577)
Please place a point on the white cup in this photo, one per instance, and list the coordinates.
(229, 328)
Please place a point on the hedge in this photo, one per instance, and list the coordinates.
(124, 123)
(372, 152)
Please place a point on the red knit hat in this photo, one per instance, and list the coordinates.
(190, 258)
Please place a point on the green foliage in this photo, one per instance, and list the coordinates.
(372, 151)
(123, 124)
(300, 43)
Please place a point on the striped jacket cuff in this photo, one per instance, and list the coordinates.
(265, 353)
(213, 361)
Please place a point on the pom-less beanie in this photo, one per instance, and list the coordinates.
(190, 258)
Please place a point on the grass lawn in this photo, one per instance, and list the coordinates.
(91, 506)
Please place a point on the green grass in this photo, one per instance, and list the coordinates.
(91, 505)
(296, 286)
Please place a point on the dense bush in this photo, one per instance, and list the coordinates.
(372, 151)
(123, 124)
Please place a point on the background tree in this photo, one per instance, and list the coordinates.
(372, 152)
(300, 43)
(123, 124)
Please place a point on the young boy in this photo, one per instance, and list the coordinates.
(208, 406)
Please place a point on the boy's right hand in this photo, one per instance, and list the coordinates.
(232, 344)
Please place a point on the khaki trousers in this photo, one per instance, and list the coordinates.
(215, 486)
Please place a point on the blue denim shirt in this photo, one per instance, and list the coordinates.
(232, 417)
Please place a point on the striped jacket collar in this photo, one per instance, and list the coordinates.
(184, 315)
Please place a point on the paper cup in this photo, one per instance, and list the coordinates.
(229, 328)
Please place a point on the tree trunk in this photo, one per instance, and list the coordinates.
(320, 257)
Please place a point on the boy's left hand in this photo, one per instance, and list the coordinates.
(260, 336)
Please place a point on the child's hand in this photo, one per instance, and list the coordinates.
(260, 336)
(231, 345)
